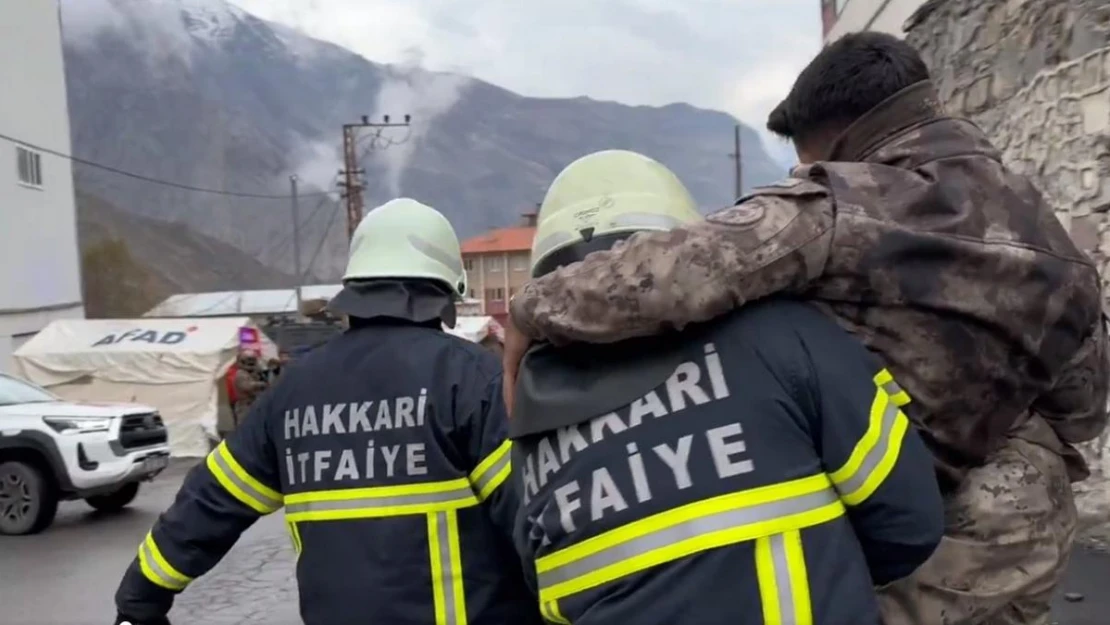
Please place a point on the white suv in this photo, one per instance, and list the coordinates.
(51, 450)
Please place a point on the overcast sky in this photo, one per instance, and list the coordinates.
(739, 56)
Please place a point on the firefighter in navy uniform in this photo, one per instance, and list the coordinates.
(753, 470)
(387, 448)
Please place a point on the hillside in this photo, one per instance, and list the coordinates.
(156, 259)
(203, 93)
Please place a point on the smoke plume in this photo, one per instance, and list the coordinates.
(410, 89)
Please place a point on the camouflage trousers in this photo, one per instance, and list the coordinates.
(1009, 532)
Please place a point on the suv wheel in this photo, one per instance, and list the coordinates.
(115, 501)
(28, 502)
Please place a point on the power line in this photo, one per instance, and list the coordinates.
(157, 181)
(270, 248)
(319, 248)
(289, 235)
(323, 240)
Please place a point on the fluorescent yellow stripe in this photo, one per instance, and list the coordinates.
(496, 482)
(246, 477)
(684, 548)
(490, 460)
(866, 443)
(160, 571)
(422, 488)
(295, 534)
(550, 611)
(456, 568)
(380, 512)
(438, 598)
(768, 586)
(863, 473)
(233, 489)
(233, 483)
(901, 398)
(799, 578)
(675, 516)
(885, 466)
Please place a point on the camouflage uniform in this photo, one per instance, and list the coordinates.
(914, 237)
(247, 388)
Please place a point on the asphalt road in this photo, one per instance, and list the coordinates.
(68, 574)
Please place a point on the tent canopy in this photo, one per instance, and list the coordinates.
(477, 329)
(141, 351)
(174, 365)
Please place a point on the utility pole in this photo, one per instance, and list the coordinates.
(296, 241)
(351, 173)
(735, 156)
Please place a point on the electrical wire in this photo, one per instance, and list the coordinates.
(275, 245)
(327, 229)
(156, 181)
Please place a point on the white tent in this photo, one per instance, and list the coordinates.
(175, 365)
(477, 329)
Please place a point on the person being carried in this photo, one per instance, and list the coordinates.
(904, 226)
(752, 470)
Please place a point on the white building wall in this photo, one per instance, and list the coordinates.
(882, 15)
(39, 260)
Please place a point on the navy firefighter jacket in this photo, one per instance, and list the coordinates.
(753, 470)
(387, 449)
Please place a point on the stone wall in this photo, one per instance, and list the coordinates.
(1035, 74)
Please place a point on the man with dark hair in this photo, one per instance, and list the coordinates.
(903, 224)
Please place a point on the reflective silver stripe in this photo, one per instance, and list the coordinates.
(443, 554)
(391, 501)
(266, 501)
(874, 455)
(486, 477)
(693, 528)
(152, 565)
(893, 389)
(785, 593)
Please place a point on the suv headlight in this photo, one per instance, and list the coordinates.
(78, 425)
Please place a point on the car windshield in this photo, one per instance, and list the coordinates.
(13, 391)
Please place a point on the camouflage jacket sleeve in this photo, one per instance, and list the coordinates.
(775, 240)
(1076, 407)
(247, 384)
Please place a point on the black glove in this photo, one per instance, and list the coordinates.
(125, 620)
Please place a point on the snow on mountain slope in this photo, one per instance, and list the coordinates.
(201, 92)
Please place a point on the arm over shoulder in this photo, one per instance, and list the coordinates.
(775, 240)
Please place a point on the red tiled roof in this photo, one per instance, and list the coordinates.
(501, 240)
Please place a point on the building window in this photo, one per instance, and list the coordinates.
(468, 263)
(470, 294)
(520, 263)
(495, 264)
(28, 166)
(495, 295)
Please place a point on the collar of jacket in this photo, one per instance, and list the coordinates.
(416, 301)
(911, 107)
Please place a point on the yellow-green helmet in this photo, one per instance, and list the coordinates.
(612, 192)
(406, 239)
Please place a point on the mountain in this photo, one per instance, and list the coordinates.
(168, 258)
(203, 93)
